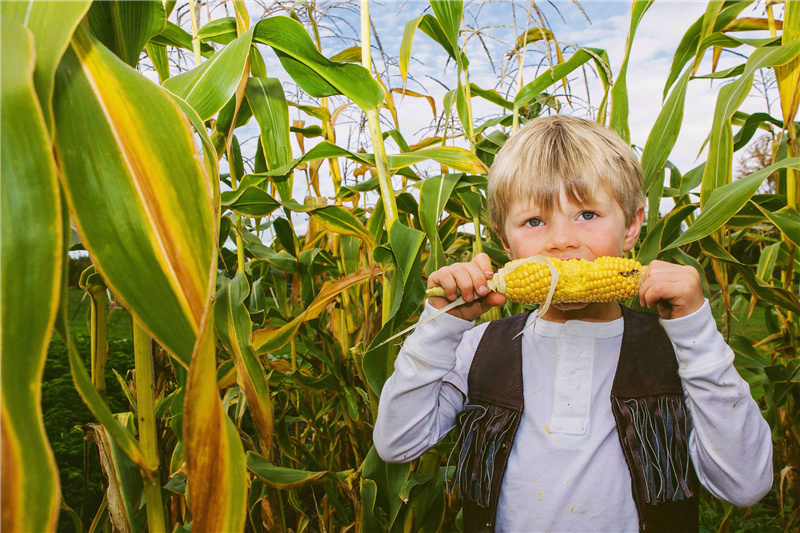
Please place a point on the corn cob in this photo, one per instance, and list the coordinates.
(606, 279)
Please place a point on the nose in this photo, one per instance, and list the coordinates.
(561, 236)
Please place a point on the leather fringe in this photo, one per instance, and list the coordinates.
(482, 431)
(660, 432)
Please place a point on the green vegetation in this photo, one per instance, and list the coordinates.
(264, 339)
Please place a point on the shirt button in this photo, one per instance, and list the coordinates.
(573, 383)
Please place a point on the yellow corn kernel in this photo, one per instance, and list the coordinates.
(607, 279)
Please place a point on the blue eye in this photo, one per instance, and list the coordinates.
(534, 222)
(588, 215)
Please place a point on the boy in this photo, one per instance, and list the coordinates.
(596, 418)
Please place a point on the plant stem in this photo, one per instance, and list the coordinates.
(382, 165)
(373, 117)
(195, 31)
(99, 317)
(148, 436)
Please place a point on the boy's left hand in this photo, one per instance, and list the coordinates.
(675, 289)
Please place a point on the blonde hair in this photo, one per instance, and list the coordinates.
(562, 151)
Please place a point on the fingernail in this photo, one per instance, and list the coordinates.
(482, 290)
(489, 273)
(468, 297)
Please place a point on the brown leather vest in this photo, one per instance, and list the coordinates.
(648, 406)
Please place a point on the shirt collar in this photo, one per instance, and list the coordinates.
(579, 328)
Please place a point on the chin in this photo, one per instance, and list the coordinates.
(570, 307)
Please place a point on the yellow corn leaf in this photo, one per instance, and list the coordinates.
(270, 339)
(234, 325)
(788, 75)
(407, 92)
(29, 293)
(215, 465)
(137, 190)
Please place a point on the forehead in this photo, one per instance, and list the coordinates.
(565, 200)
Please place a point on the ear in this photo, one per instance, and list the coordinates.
(503, 240)
(632, 231)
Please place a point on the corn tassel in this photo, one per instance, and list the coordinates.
(607, 279)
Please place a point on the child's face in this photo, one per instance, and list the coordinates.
(586, 231)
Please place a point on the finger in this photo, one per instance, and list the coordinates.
(484, 264)
(444, 278)
(464, 281)
(478, 279)
(654, 293)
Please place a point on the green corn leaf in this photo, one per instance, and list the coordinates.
(661, 232)
(369, 494)
(448, 13)
(760, 289)
(664, 133)
(718, 167)
(127, 191)
(51, 24)
(728, 41)
(221, 30)
(209, 152)
(746, 355)
(340, 220)
(688, 47)
(174, 35)
(430, 26)
(490, 96)
(713, 9)
(787, 220)
(551, 76)
(283, 260)
(29, 292)
(313, 72)
(750, 125)
(434, 194)
(404, 249)
(251, 201)
(451, 156)
(158, 55)
(268, 102)
(234, 326)
(767, 260)
(390, 479)
(272, 338)
(726, 201)
(722, 74)
(125, 26)
(209, 86)
(618, 118)
(348, 55)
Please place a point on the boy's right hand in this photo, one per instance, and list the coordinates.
(470, 279)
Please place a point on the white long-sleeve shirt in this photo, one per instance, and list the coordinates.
(566, 470)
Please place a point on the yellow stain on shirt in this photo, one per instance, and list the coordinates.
(534, 482)
(547, 429)
(567, 482)
(540, 494)
(571, 507)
